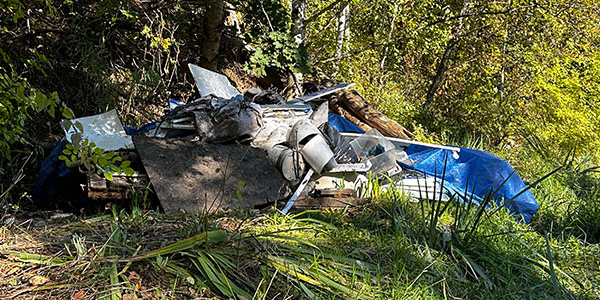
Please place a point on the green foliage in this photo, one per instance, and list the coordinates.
(278, 50)
(17, 101)
(13, 7)
(263, 16)
(505, 66)
(93, 158)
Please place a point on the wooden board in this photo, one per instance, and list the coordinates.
(306, 202)
(199, 177)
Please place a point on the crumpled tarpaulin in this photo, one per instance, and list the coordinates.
(219, 120)
(481, 170)
(55, 180)
(130, 130)
(342, 124)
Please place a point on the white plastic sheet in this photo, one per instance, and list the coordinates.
(105, 130)
(209, 82)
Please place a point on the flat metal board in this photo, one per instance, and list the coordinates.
(209, 82)
(195, 177)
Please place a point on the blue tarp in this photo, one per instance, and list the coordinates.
(55, 179)
(342, 125)
(130, 130)
(481, 170)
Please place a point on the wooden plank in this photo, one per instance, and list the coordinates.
(325, 202)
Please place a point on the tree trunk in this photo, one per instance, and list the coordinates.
(213, 27)
(448, 53)
(343, 33)
(336, 107)
(298, 31)
(392, 25)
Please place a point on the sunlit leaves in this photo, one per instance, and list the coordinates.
(91, 158)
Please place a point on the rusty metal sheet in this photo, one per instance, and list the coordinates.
(200, 177)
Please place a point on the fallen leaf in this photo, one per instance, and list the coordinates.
(129, 297)
(79, 295)
(134, 277)
(38, 280)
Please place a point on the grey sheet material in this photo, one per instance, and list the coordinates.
(277, 121)
(203, 177)
(321, 93)
(211, 83)
(220, 120)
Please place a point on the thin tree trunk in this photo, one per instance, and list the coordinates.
(448, 53)
(213, 27)
(298, 31)
(343, 32)
(385, 52)
(439, 74)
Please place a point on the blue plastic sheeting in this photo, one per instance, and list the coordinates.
(341, 124)
(174, 103)
(482, 171)
(142, 129)
(56, 179)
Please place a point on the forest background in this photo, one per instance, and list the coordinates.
(520, 79)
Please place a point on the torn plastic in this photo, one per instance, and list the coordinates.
(216, 120)
(386, 161)
(277, 123)
(257, 96)
(342, 151)
(371, 143)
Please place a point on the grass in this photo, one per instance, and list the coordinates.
(390, 248)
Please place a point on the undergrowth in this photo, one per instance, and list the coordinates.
(390, 248)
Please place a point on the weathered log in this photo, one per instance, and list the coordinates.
(374, 118)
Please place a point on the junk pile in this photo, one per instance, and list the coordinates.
(228, 150)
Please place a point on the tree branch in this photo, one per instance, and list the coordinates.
(322, 11)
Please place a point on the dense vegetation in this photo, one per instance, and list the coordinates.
(520, 79)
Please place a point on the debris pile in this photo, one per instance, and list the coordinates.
(228, 150)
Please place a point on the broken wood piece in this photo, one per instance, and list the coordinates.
(337, 193)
